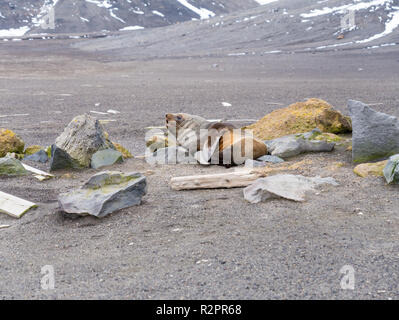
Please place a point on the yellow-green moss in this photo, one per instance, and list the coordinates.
(10, 142)
(301, 117)
(125, 153)
(32, 150)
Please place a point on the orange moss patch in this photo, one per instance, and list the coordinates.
(301, 117)
(10, 142)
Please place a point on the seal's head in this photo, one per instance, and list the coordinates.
(182, 122)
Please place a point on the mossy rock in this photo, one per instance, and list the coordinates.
(125, 153)
(370, 169)
(10, 142)
(11, 167)
(157, 142)
(301, 117)
(33, 149)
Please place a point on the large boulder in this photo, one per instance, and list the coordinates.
(60, 159)
(10, 142)
(301, 117)
(11, 167)
(83, 137)
(375, 134)
(296, 144)
(104, 193)
(288, 186)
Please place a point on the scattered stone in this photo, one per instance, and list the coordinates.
(10, 142)
(106, 157)
(249, 163)
(271, 159)
(104, 193)
(157, 142)
(295, 144)
(15, 155)
(61, 160)
(301, 117)
(375, 134)
(11, 167)
(126, 153)
(171, 155)
(83, 137)
(391, 170)
(40, 156)
(292, 187)
(32, 150)
(370, 169)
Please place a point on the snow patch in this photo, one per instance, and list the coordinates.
(203, 13)
(14, 32)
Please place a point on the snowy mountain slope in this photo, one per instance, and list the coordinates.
(280, 26)
(20, 16)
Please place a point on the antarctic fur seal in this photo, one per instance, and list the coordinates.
(220, 143)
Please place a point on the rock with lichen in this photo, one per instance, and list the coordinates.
(10, 143)
(301, 117)
(105, 193)
(32, 150)
(370, 169)
(296, 144)
(375, 134)
(125, 153)
(11, 167)
(82, 138)
(157, 142)
(391, 170)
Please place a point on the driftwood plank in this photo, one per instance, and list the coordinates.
(14, 206)
(214, 181)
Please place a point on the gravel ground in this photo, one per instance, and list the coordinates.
(195, 244)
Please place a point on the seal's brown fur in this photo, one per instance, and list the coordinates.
(229, 140)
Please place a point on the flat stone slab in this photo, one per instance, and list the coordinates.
(288, 186)
(375, 134)
(104, 193)
(106, 157)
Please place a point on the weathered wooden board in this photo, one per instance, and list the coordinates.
(214, 181)
(39, 174)
(14, 206)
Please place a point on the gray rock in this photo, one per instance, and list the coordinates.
(171, 155)
(11, 167)
(271, 159)
(254, 163)
(106, 157)
(295, 144)
(104, 193)
(83, 137)
(288, 186)
(40, 156)
(391, 170)
(61, 160)
(375, 134)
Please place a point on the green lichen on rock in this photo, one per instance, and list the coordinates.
(126, 153)
(391, 170)
(370, 169)
(11, 167)
(33, 149)
(10, 142)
